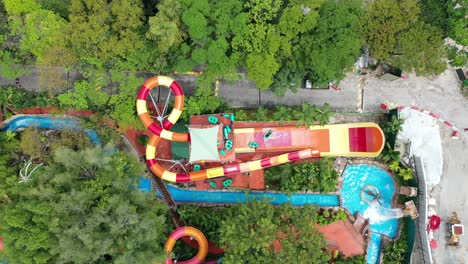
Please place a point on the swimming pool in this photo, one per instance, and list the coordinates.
(361, 185)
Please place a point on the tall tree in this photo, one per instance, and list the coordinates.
(58, 7)
(85, 95)
(213, 28)
(249, 230)
(122, 100)
(383, 20)
(287, 36)
(17, 7)
(9, 61)
(203, 102)
(274, 30)
(457, 21)
(422, 49)
(336, 41)
(83, 208)
(41, 31)
(165, 28)
(434, 12)
(106, 34)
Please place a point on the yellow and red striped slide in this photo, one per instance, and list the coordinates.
(352, 140)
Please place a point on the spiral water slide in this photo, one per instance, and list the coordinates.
(352, 140)
(189, 231)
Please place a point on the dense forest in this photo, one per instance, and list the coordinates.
(278, 43)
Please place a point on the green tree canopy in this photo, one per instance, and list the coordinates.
(17, 7)
(165, 28)
(203, 102)
(249, 230)
(422, 49)
(383, 20)
(82, 208)
(434, 12)
(457, 21)
(106, 34)
(336, 41)
(212, 29)
(42, 30)
(274, 31)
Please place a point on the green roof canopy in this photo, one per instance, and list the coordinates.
(203, 143)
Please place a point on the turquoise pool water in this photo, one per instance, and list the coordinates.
(361, 184)
(373, 249)
(197, 196)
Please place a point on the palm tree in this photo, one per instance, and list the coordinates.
(304, 116)
(389, 154)
(393, 125)
(282, 114)
(241, 115)
(261, 114)
(394, 166)
(406, 174)
(323, 114)
(9, 135)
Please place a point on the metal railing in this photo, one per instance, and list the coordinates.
(421, 223)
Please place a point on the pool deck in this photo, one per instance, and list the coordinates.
(345, 237)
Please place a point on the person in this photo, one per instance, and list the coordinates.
(17, 82)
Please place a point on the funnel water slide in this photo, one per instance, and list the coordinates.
(360, 139)
(163, 132)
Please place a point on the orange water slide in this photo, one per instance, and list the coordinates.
(350, 140)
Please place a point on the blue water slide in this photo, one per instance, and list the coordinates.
(373, 249)
(45, 122)
(230, 197)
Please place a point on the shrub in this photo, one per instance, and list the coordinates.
(457, 58)
(142, 139)
(329, 217)
(317, 176)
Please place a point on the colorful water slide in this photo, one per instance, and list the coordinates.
(187, 231)
(362, 139)
(19, 122)
(296, 199)
(230, 197)
(349, 140)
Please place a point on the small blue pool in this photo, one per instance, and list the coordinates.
(369, 190)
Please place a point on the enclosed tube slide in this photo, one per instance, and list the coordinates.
(362, 139)
(191, 232)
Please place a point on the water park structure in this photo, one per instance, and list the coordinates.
(277, 144)
(217, 139)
